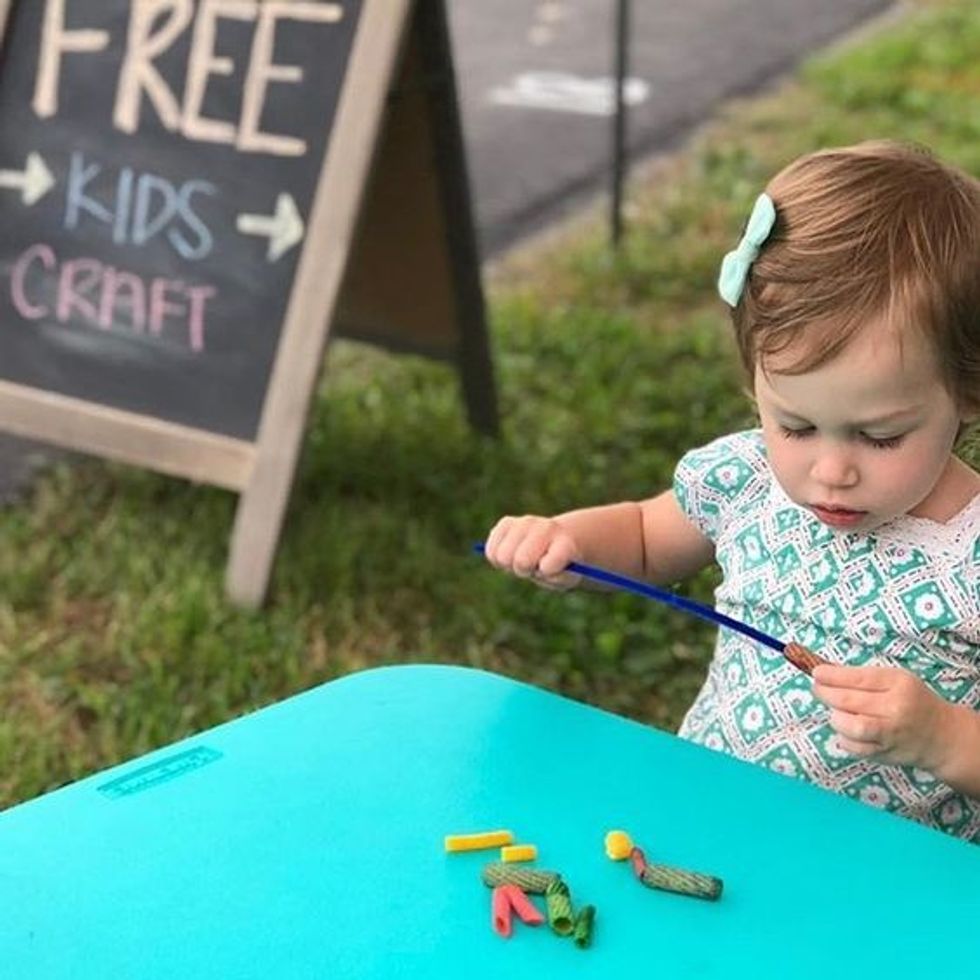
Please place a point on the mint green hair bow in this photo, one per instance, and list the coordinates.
(736, 264)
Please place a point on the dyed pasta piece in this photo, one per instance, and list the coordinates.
(802, 658)
(500, 912)
(519, 852)
(528, 913)
(527, 879)
(618, 845)
(559, 905)
(683, 882)
(638, 861)
(478, 842)
(582, 930)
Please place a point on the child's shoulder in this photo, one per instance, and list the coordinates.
(727, 476)
(740, 449)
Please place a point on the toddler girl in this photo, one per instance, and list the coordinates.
(844, 522)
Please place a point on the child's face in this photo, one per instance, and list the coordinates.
(865, 437)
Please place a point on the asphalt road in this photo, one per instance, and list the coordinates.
(534, 81)
(536, 97)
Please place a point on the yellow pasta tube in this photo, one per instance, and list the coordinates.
(519, 852)
(478, 842)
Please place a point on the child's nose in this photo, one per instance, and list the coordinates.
(835, 467)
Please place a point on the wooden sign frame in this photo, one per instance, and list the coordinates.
(262, 470)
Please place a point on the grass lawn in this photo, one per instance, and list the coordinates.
(115, 636)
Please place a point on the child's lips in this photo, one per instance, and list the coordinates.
(838, 516)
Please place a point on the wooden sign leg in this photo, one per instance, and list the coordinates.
(336, 204)
(473, 352)
(413, 279)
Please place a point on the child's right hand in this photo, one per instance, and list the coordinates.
(538, 548)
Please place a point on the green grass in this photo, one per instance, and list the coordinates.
(115, 636)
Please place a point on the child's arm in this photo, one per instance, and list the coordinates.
(651, 539)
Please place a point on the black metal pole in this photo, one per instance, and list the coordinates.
(619, 120)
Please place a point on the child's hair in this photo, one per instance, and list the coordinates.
(881, 228)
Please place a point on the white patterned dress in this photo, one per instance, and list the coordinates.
(906, 594)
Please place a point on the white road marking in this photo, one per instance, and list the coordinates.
(563, 92)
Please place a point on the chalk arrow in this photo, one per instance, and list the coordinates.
(33, 182)
(284, 228)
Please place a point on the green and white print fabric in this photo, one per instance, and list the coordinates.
(906, 594)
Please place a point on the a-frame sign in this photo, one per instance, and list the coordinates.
(194, 194)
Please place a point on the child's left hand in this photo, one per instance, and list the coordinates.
(885, 712)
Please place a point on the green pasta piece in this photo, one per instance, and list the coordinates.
(582, 931)
(684, 882)
(559, 905)
(527, 879)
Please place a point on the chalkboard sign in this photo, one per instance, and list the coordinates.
(192, 193)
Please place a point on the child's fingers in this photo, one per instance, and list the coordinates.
(537, 538)
(849, 699)
(504, 540)
(858, 729)
(559, 553)
(533, 547)
(491, 549)
(552, 567)
(858, 748)
(493, 539)
(516, 544)
(857, 678)
(559, 583)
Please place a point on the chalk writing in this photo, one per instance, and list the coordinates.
(158, 166)
(154, 27)
(131, 213)
(100, 295)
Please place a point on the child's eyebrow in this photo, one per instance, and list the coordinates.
(900, 413)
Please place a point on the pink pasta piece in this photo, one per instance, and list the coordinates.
(500, 911)
(522, 905)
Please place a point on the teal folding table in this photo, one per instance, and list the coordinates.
(306, 840)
